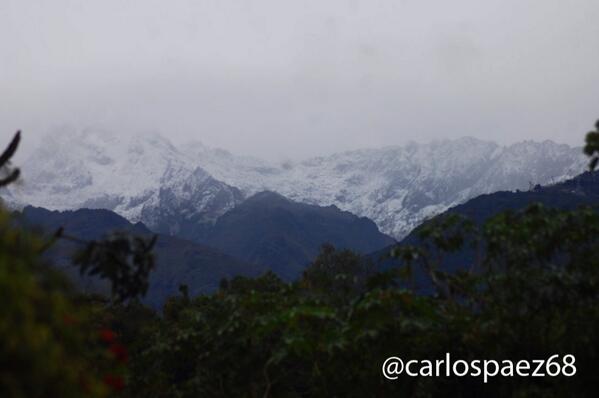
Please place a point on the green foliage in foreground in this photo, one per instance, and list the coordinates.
(50, 345)
(535, 293)
(53, 341)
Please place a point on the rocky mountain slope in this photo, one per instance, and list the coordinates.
(146, 178)
(399, 187)
(142, 178)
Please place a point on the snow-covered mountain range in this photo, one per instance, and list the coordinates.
(146, 178)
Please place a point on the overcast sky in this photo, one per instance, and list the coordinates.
(292, 78)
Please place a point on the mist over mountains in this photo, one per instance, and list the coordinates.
(173, 189)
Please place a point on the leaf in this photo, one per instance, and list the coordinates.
(11, 149)
(593, 163)
(11, 178)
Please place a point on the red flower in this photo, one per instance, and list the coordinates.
(114, 382)
(120, 352)
(107, 335)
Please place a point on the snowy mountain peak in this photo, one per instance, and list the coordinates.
(145, 177)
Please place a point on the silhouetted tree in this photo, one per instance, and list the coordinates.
(592, 146)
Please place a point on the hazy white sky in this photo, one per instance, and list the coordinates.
(293, 78)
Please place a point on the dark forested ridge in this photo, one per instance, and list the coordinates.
(179, 261)
(567, 195)
(580, 190)
(266, 232)
(284, 235)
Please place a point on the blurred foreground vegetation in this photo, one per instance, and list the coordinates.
(532, 292)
